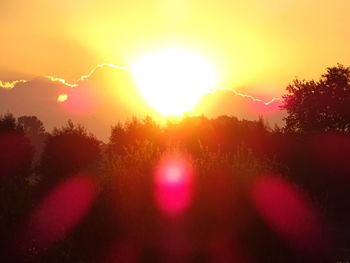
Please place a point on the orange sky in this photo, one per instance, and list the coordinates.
(256, 44)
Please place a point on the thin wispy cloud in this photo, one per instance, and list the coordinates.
(86, 76)
(266, 103)
(11, 84)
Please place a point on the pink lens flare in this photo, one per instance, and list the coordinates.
(290, 214)
(57, 214)
(80, 101)
(174, 184)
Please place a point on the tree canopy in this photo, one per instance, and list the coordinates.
(69, 150)
(319, 106)
(16, 151)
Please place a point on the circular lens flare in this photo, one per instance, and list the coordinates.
(173, 185)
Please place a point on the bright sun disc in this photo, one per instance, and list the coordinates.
(173, 80)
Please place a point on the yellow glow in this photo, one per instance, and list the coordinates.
(173, 80)
(62, 97)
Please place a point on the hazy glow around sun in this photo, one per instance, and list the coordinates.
(173, 80)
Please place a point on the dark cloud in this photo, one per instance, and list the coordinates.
(97, 100)
(107, 95)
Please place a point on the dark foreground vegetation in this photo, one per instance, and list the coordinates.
(198, 190)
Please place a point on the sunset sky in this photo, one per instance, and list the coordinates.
(256, 46)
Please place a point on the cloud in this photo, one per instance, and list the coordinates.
(229, 102)
(267, 103)
(116, 67)
(107, 94)
(97, 100)
(87, 76)
(11, 84)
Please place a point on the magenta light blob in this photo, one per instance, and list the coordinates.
(290, 214)
(80, 101)
(173, 185)
(57, 214)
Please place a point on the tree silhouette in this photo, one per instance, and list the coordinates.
(31, 125)
(68, 150)
(16, 151)
(35, 131)
(319, 106)
(16, 154)
(132, 132)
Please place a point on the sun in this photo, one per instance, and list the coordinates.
(173, 80)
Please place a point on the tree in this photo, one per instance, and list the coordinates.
(319, 106)
(31, 125)
(132, 132)
(35, 131)
(16, 155)
(67, 151)
(16, 151)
